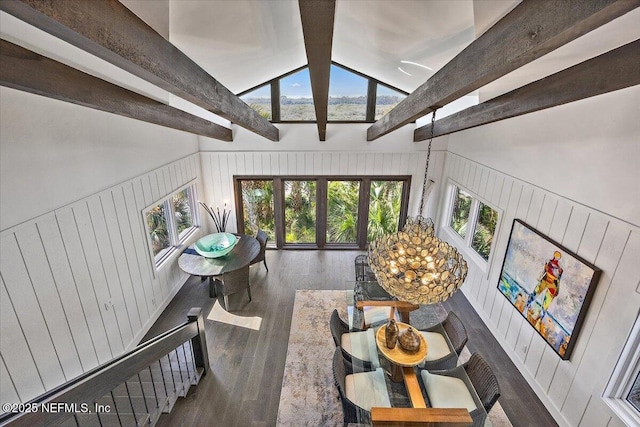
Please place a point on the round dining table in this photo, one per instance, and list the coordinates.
(240, 256)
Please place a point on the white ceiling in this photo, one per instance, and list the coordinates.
(243, 43)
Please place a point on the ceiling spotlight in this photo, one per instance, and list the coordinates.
(403, 71)
(419, 65)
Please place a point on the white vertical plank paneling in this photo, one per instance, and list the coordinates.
(404, 164)
(155, 188)
(140, 247)
(146, 190)
(122, 264)
(37, 264)
(344, 164)
(570, 388)
(352, 165)
(78, 263)
(16, 353)
(226, 182)
(159, 179)
(317, 164)
(128, 246)
(144, 255)
(29, 313)
(97, 276)
(111, 271)
(8, 393)
(257, 165)
(66, 286)
(166, 174)
(266, 165)
(275, 164)
(85, 279)
(579, 393)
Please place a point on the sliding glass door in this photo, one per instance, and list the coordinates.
(322, 211)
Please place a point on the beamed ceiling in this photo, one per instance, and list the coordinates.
(196, 55)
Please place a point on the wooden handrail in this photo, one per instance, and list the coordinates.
(420, 417)
(92, 385)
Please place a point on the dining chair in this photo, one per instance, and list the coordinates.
(358, 347)
(359, 390)
(443, 353)
(232, 282)
(454, 388)
(262, 238)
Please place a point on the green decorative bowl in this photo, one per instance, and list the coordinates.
(215, 245)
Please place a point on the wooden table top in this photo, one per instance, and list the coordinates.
(241, 255)
(397, 354)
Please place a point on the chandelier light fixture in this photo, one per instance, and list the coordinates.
(413, 264)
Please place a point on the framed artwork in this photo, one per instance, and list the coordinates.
(549, 285)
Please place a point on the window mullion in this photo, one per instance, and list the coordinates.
(170, 218)
(275, 100)
(473, 221)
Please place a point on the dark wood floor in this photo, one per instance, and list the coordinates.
(243, 386)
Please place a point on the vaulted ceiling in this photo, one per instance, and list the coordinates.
(403, 43)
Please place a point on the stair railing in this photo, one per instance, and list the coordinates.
(68, 403)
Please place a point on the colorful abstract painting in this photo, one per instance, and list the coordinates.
(550, 286)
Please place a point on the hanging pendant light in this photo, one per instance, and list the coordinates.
(413, 264)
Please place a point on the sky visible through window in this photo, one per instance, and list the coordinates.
(347, 97)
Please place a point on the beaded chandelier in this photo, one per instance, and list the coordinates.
(413, 264)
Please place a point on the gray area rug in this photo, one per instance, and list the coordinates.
(309, 396)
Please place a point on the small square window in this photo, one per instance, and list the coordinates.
(484, 230)
(182, 212)
(474, 221)
(158, 230)
(170, 222)
(460, 214)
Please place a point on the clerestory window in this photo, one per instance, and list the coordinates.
(353, 97)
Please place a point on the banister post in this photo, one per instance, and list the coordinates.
(199, 342)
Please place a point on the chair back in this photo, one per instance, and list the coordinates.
(483, 380)
(235, 281)
(456, 332)
(338, 327)
(262, 238)
(352, 413)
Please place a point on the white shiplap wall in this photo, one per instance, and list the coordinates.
(570, 389)
(78, 284)
(218, 169)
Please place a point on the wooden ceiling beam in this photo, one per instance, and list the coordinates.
(317, 26)
(589, 78)
(25, 70)
(531, 30)
(107, 29)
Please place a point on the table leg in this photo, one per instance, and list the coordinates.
(397, 376)
(212, 287)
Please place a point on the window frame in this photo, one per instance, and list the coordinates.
(175, 240)
(371, 96)
(623, 377)
(321, 206)
(472, 222)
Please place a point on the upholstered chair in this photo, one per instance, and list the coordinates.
(262, 238)
(359, 390)
(477, 391)
(443, 353)
(358, 347)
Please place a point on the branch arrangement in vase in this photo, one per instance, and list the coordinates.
(219, 220)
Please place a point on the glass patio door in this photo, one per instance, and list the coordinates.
(299, 211)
